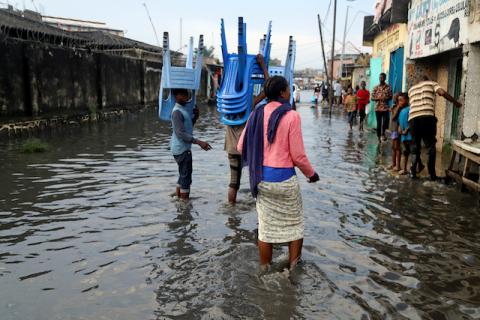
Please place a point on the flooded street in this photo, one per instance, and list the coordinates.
(88, 230)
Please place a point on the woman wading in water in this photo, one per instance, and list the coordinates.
(272, 146)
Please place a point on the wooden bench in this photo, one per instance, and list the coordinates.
(469, 154)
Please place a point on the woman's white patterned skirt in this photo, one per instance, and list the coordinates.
(280, 211)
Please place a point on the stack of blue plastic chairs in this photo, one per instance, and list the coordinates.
(241, 74)
(243, 77)
(287, 71)
(179, 77)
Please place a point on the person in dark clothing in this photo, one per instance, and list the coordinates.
(324, 92)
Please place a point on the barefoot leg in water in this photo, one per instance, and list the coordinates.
(265, 251)
(177, 192)
(294, 252)
(232, 195)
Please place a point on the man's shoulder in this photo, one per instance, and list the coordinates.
(177, 115)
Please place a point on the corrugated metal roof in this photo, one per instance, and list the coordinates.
(105, 40)
(13, 22)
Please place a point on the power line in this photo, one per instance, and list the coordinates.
(151, 21)
(328, 11)
(355, 17)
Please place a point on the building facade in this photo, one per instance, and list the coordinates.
(361, 71)
(77, 25)
(348, 66)
(386, 32)
(443, 45)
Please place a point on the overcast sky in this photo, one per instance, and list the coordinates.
(297, 18)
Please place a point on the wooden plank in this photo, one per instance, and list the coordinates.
(466, 167)
(471, 185)
(452, 160)
(475, 158)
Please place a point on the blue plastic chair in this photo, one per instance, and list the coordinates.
(287, 71)
(241, 75)
(179, 77)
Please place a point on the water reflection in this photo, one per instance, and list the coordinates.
(89, 230)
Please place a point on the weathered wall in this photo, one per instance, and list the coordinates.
(12, 85)
(471, 119)
(153, 70)
(359, 75)
(39, 80)
(60, 80)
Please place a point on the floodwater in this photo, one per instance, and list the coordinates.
(89, 230)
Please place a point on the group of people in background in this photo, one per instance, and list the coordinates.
(410, 118)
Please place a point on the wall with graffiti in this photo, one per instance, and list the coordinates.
(436, 26)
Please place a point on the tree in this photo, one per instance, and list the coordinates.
(207, 52)
(274, 62)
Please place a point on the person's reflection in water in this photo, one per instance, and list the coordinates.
(240, 235)
(316, 113)
(184, 230)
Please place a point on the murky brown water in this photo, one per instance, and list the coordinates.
(89, 231)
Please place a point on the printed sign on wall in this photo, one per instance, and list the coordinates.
(435, 26)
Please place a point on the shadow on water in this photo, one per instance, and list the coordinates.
(88, 230)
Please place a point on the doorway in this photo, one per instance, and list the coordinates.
(457, 90)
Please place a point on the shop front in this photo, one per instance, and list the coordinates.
(437, 38)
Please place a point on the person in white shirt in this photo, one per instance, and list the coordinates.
(337, 88)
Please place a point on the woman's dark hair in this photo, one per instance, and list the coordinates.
(274, 86)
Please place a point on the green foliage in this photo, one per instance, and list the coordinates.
(34, 146)
(274, 62)
(208, 52)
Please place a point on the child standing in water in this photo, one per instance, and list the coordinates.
(182, 140)
(272, 146)
(395, 136)
(351, 106)
(404, 129)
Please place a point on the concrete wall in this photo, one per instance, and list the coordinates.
(471, 118)
(60, 80)
(12, 85)
(359, 75)
(336, 66)
(39, 80)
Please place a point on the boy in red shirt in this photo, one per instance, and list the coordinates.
(363, 98)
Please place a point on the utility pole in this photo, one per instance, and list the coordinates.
(151, 21)
(333, 53)
(343, 43)
(323, 51)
